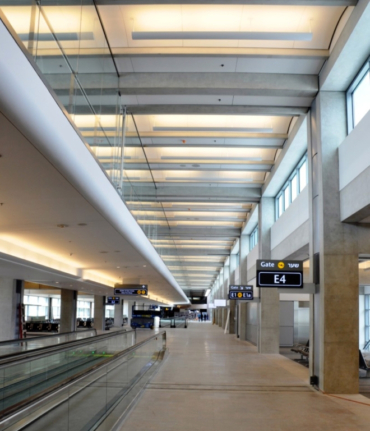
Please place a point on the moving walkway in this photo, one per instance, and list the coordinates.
(77, 384)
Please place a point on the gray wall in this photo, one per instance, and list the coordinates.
(252, 323)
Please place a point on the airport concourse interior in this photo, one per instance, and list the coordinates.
(184, 215)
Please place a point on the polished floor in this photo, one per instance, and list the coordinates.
(211, 381)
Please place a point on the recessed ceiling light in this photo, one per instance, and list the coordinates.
(62, 225)
(103, 252)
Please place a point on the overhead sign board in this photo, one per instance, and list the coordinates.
(240, 293)
(111, 300)
(131, 289)
(280, 273)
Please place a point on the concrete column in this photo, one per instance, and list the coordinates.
(99, 313)
(242, 306)
(220, 295)
(11, 296)
(68, 310)
(269, 319)
(118, 314)
(225, 290)
(129, 313)
(233, 304)
(336, 307)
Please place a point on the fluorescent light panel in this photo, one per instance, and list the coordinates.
(213, 129)
(254, 159)
(210, 179)
(221, 35)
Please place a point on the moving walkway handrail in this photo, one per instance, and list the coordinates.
(49, 350)
(10, 413)
(42, 337)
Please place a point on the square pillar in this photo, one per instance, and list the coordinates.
(269, 309)
(118, 314)
(232, 303)
(336, 299)
(68, 310)
(11, 294)
(243, 306)
(99, 313)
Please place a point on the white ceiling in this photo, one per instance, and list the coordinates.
(183, 164)
(36, 198)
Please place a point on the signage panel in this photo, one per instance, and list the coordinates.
(111, 300)
(131, 289)
(280, 273)
(237, 292)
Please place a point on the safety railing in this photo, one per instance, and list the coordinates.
(25, 344)
(85, 400)
(28, 374)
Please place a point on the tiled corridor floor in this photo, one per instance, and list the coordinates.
(211, 381)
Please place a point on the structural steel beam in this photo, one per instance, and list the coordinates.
(195, 194)
(184, 51)
(206, 83)
(227, 83)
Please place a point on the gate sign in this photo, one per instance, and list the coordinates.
(280, 273)
(131, 289)
(240, 293)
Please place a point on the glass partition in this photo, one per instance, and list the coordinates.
(85, 402)
(24, 378)
(27, 344)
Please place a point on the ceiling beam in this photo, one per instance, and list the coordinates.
(184, 51)
(198, 83)
(226, 83)
(207, 135)
(202, 194)
(282, 111)
(232, 2)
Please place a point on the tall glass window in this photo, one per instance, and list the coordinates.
(358, 97)
(253, 239)
(367, 318)
(297, 181)
(83, 309)
(294, 185)
(303, 176)
(55, 308)
(109, 311)
(36, 307)
(287, 197)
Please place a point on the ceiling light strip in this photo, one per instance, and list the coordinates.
(212, 129)
(225, 158)
(248, 180)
